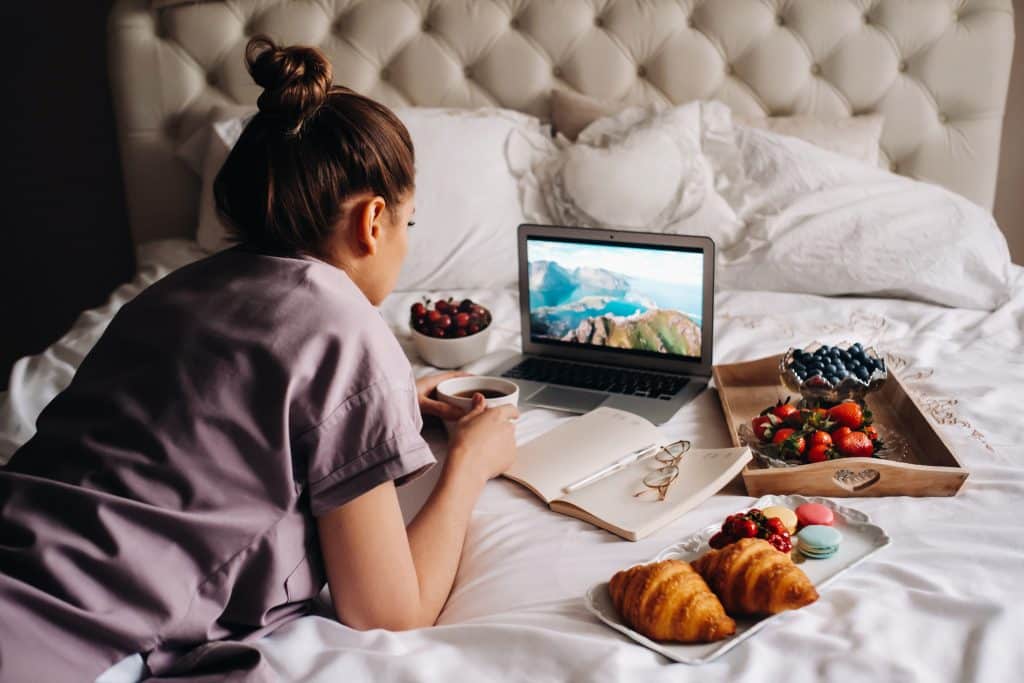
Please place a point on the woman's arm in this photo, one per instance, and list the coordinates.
(383, 575)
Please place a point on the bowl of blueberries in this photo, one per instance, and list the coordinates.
(829, 374)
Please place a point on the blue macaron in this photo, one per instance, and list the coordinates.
(818, 541)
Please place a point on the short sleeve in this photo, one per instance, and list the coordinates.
(372, 437)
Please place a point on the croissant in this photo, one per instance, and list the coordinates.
(668, 600)
(751, 577)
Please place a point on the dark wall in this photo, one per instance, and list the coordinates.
(65, 234)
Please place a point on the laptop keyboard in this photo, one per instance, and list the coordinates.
(600, 378)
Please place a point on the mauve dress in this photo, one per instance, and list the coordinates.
(169, 497)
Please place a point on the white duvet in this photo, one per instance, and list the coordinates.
(944, 602)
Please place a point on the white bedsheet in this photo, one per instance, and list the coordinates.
(944, 602)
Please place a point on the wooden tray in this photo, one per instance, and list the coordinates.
(746, 389)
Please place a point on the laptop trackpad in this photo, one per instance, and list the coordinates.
(567, 399)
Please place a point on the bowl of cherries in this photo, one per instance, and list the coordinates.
(449, 333)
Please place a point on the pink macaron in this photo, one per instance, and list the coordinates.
(813, 513)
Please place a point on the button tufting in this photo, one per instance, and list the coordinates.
(780, 20)
(598, 21)
(903, 66)
(729, 69)
(426, 27)
(943, 117)
(467, 71)
(894, 167)
(816, 69)
(556, 72)
(385, 74)
(866, 18)
(514, 23)
(691, 22)
(641, 71)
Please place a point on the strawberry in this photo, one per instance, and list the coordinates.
(821, 437)
(840, 433)
(871, 432)
(789, 441)
(818, 453)
(856, 445)
(847, 414)
(763, 426)
(788, 413)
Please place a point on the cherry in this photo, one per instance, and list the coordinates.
(473, 329)
(433, 316)
(719, 540)
(444, 322)
(466, 306)
(462, 319)
(749, 528)
(419, 310)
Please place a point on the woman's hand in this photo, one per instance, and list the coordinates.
(483, 443)
(425, 387)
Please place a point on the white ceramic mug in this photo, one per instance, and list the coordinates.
(448, 392)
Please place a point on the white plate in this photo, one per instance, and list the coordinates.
(861, 539)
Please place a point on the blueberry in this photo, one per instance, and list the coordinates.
(853, 364)
(863, 373)
(856, 347)
(833, 380)
(841, 372)
(844, 356)
(798, 367)
(830, 369)
(811, 372)
(880, 364)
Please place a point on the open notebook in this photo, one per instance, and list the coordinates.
(583, 445)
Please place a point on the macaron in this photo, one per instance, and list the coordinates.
(818, 542)
(814, 514)
(784, 515)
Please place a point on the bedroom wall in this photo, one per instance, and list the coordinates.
(1009, 209)
(66, 243)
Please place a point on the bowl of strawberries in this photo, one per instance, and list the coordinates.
(448, 333)
(788, 433)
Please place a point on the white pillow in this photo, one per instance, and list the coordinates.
(857, 137)
(821, 223)
(641, 169)
(467, 193)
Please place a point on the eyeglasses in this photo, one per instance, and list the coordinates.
(660, 479)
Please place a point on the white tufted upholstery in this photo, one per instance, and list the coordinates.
(937, 69)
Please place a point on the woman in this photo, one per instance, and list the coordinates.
(238, 431)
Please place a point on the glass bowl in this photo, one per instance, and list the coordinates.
(846, 371)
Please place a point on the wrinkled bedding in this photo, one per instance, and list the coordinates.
(944, 602)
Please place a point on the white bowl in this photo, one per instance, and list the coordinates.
(451, 353)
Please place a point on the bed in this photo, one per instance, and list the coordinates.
(943, 602)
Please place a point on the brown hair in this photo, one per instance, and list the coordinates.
(311, 146)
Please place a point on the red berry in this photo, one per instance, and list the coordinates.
(441, 306)
(787, 412)
(763, 426)
(473, 329)
(787, 445)
(433, 316)
(749, 528)
(444, 322)
(466, 306)
(460, 332)
(840, 433)
(719, 540)
(856, 445)
(847, 414)
(818, 453)
(462, 319)
(775, 525)
(871, 432)
(821, 437)
(419, 310)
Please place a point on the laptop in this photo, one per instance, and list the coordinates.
(613, 318)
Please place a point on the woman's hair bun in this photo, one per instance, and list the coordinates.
(295, 80)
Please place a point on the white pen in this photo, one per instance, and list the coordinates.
(621, 463)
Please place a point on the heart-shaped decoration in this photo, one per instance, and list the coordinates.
(634, 183)
(856, 481)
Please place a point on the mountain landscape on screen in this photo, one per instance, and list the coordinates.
(601, 307)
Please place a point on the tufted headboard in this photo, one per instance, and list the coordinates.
(937, 69)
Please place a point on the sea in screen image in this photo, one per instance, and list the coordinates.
(617, 296)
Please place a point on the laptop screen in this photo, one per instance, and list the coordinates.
(630, 298)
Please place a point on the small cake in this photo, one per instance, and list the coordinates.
(814, 514)
(818, 542)
(783, 514)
